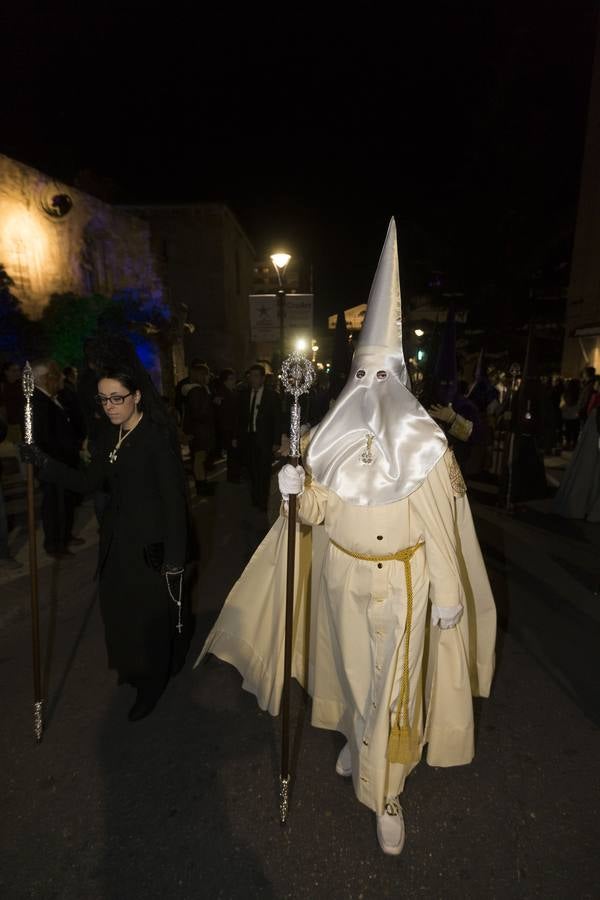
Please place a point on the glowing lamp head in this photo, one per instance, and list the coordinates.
(419, 332)
(280, 260)
(301, 345)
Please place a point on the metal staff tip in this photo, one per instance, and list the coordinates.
(284, 785)
(38, 720)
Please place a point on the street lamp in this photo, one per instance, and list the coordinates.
(419, 332)
(301, 345)
(280, 263)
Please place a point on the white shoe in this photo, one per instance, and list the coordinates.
(390, 829)
(343, 765)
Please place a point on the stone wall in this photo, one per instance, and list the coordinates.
(583, 304)
(49, 248)
(207, 264)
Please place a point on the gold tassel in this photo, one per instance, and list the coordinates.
(403, 745)
(403, 742)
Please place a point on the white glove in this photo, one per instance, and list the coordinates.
(291, 480)
(446, 616)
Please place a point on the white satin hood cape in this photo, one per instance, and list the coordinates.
(377, 444)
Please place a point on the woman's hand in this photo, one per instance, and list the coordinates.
(31, 453)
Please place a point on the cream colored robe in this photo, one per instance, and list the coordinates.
(350, 623)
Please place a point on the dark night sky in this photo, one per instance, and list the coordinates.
(465, 120)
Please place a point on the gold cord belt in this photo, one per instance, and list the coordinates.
(401, 555)
(403, 743)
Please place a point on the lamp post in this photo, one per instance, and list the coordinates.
(280, 263)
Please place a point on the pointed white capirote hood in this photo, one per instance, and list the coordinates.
(377, 444)
(382, 328)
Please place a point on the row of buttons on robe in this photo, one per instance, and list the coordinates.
(377, 667)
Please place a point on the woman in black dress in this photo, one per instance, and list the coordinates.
(142, 546)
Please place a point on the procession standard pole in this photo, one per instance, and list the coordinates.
(297, 375)
(38, 701)
(515, 371)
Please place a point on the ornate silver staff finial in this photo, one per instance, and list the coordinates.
(28, 387)
(297, 375)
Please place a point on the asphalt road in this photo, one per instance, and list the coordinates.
(184, 803)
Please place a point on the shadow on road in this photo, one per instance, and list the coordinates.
(54, 700)
(169, 827)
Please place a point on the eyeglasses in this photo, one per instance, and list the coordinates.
(114, 399)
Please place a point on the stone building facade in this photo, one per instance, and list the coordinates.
(582, 326)
(195, 260)
(206, 263)
(55, 239)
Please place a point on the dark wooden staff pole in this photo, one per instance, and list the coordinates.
(38, 700)
(297, 376)
(287, 665)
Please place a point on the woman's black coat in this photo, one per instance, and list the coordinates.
(146, 516)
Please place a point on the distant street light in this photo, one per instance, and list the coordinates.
(301, 345)
(280, 263)
(419, 332)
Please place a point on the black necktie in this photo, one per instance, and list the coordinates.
(252, 406)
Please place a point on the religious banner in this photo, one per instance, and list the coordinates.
(265, 323)
(299, 314)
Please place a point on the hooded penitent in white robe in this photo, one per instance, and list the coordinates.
(380, 481)
(349, 625)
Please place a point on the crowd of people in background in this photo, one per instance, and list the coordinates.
(559, 410)
(240, 420)
(571, 401)
(243, 421)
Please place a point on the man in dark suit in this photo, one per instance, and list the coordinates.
(199, 424)
(55, 434)
(259, 423)
(179, 395)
